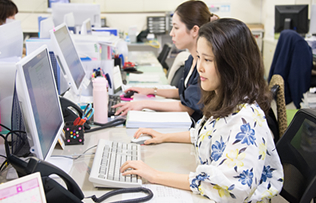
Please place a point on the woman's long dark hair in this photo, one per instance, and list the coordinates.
(239, 65)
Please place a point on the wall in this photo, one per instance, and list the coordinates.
(124, 13)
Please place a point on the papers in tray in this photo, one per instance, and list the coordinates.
(136, 119)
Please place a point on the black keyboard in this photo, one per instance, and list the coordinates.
(113, 99)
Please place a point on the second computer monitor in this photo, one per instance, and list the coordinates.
(293, 17)
(86, 27)
(68, 58)
(81, 13)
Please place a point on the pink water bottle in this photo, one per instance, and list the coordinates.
(100, 100)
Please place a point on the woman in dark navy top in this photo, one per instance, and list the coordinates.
(186, 21)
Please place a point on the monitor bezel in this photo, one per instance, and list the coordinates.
(26, 107)
(63, 63)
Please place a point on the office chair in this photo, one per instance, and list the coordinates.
(175, 73)
(276, 87)
(297, 150)
(163, 55)
(293, 60)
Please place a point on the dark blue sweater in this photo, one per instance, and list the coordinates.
(191, 95)
(293, 60)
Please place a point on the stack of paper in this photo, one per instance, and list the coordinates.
(309, 100)
(143, 119)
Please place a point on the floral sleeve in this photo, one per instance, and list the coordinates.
(238, 160)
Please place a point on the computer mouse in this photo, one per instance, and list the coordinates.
(129, 94)
(141, 139)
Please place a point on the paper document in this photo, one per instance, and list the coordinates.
(163, 194)
(143, 78)
(136, 119)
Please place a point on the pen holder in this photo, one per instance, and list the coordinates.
(73, 134)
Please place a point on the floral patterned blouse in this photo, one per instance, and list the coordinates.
(238, 161)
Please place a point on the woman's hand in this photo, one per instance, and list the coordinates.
(139, 168)
(140, 90)
(127, 106)
(157, 137)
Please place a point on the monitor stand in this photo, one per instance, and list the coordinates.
(63, 163)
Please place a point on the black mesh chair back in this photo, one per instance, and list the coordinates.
(163, 55)
(297, 151)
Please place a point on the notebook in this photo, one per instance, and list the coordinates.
(145, 119)
(27, 189)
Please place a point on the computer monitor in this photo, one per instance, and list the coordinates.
(86, 27)
(68, 58)
(81, 13)
(49, 2)
(293, 17)
(45, 26)
(39, 102)
(11, 40)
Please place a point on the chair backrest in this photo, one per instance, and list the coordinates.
(297, 151)
(163, 55)
(277, 80)
(293, 60)
(174, 73)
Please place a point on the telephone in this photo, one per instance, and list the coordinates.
(53, 190)
(71, 111)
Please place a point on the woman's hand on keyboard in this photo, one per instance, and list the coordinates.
(127, 106)
(157, 137)
(139, 168)
(140, 90)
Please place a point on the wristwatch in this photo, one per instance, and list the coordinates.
(155, 91)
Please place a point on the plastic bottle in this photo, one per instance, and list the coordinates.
(100, 100)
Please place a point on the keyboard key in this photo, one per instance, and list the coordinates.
(109, 157)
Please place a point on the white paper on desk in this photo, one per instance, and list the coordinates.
(143, 78)
(163, 194)
(136, 119)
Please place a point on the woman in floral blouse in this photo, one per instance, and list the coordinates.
(238, 161)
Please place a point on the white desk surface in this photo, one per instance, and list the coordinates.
(168, 157)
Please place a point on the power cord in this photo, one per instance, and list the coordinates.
(75, 158)
(115, 122)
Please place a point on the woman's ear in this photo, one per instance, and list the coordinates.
(195, 31)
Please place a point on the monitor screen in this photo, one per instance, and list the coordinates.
(56, 1)
(293, 17)
(39, 102)
(81, 13)
(68, 58)
(11, 40)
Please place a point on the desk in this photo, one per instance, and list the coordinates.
(151, 66)
(169, 157)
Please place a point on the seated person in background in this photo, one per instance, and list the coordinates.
(238, 161)
(187, 19)
(8, 10)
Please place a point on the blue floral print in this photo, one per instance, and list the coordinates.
(247, 135)
(238, 161)
(217, 150)
(266, 173)
(246, 177)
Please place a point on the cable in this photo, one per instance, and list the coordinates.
(75, 158)
(125, 190)
(117, 121)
